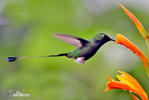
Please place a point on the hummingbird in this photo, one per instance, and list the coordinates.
(84, 51)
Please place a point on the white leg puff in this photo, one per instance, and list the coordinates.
(80, 60)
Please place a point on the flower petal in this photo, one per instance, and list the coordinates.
(120, 39)
(112, 84)
(128, 83)
(134, 97)
(131, 81)
(138, 24)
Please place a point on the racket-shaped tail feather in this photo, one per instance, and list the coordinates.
(12, 59)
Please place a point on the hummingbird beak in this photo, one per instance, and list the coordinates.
(113, 40)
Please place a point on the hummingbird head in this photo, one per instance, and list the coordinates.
(102, 37)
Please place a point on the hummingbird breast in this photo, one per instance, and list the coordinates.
(88, 51)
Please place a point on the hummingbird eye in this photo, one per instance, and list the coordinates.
(102, 35)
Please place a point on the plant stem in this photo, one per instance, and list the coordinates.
(147, 43)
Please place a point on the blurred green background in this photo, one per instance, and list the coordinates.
(26, 28)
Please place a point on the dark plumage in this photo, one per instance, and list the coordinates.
(85, 48)
(11, 59)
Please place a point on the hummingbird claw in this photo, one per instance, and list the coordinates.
(80, 60)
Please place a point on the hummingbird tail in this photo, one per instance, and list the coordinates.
(62, 54)
(12, 59)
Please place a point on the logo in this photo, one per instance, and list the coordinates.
(18, 93)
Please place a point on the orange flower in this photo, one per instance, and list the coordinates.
(120, 39)
(138, 24)
(128, 83)
(134, 97)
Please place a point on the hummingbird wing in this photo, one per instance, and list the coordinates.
(76, 41)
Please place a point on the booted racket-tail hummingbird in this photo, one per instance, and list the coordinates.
(85, 48)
